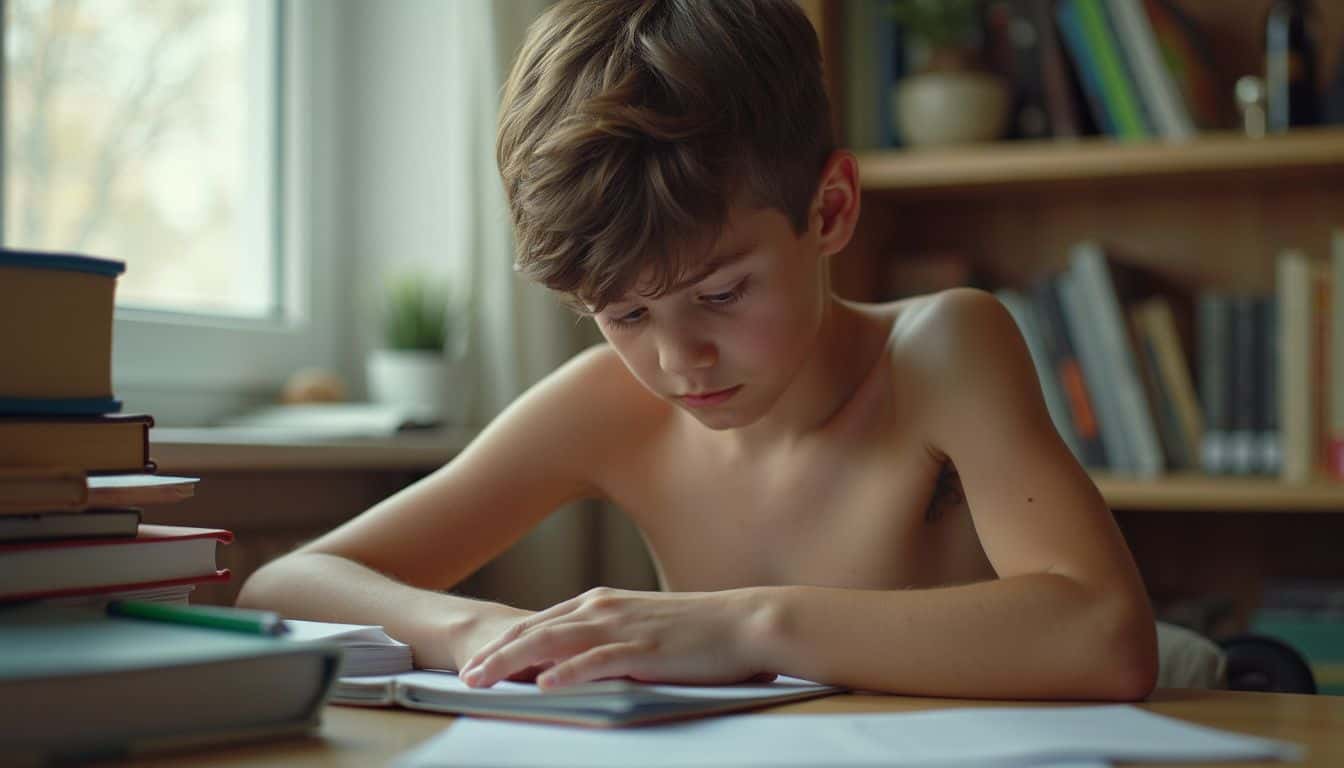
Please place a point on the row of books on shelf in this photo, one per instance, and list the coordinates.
(1268, 398)
(76, 477)
(1132, 69)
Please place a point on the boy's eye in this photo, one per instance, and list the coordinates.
(629, 318)
(725, 297)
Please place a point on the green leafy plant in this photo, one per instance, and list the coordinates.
(416, 315)
(939, 23)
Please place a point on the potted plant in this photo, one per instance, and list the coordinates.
(952, 99)
(413, 368)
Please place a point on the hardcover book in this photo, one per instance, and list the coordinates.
(95, 444)
(158, 556)
(24, 490)
(56, 333)
(84, 685)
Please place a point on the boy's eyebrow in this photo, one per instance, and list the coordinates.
(714, 265)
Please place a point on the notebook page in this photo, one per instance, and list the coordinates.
(1016, 737)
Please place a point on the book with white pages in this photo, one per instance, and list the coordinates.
(603, 704)
(366, 650)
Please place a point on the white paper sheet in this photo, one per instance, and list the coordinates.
(1018, 737)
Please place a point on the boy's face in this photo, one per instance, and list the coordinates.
(725, 345)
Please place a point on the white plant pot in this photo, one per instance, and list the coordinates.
(937, 108)
(426, 384)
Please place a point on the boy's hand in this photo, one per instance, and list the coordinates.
(488, 626)
(605, 633)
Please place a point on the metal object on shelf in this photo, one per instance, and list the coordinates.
(1251, 99)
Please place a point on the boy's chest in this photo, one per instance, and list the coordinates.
(874, 518)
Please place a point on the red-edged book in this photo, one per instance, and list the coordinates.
(159, 556)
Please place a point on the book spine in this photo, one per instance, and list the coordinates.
(1296, 405)
(1060, 105)
(1164, 407)
(1087, 342)
(1099, 293)
(1336, 442)
(1154, 83)
(1320, 365)
(1175, 374)
(1116, 85)
(1243, 390)
(1024, 315)
(1271, 454)
(1071, 29)
(1069, 371)
(1213, 337)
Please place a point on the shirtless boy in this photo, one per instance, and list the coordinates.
(866, 495)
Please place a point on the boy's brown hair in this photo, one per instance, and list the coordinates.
(629, 127)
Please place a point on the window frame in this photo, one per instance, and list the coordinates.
(191, 369)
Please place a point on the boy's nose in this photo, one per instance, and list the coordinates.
(684, 354)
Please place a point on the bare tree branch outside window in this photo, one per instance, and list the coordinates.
(127, 137)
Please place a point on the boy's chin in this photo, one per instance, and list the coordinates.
(719, 419)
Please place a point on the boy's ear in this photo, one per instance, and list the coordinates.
(837, 202)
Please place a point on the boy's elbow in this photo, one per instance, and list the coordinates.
(262, 589)
(253, 592)
(1130, 650)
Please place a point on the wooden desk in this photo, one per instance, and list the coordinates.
(353, 737)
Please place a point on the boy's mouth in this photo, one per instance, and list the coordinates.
(707, 399)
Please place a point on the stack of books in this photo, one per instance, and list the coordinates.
(74, 472)
(1268, 397)
(102, 666)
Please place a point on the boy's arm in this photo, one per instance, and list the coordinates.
(385, 566)
(1067, 618)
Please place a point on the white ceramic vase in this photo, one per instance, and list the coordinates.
(938, 108)
(425, 383)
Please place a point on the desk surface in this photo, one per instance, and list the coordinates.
(353, 737)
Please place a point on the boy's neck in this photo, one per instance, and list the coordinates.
(843, 354)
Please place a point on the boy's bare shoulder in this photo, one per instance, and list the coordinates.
(598, 396)
(950, 322)
(959, 343)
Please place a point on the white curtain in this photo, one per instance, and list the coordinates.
(520, 331)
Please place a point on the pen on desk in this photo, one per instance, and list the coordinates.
(212, 617)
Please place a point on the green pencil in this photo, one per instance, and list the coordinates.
(209, 616)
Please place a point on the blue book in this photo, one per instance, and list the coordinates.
(56, 334)
(1075, 42)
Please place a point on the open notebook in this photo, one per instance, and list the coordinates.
(607, 703)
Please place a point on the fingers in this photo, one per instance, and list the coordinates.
(542, 646)
(515, 631)
(606, 661)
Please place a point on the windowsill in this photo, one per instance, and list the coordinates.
(179, 449)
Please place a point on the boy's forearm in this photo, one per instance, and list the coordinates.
(1031, 636)
(440, 628)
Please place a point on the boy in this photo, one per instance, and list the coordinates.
(866, 495)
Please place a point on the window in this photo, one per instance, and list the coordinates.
(167, 134)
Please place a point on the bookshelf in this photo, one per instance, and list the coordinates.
(1200, 492)
(1209, 213)
(1003, 166)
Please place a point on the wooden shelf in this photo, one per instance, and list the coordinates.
(1196, 492)
(1008, 164)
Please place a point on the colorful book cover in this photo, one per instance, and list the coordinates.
(1116, 83)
